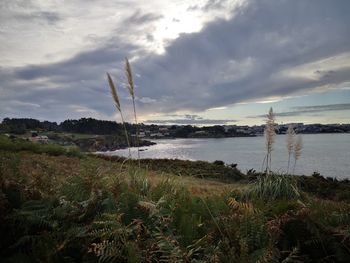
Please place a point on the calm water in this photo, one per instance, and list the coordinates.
(328, 154)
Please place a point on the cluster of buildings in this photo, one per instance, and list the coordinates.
(282, 128)
(154, 133)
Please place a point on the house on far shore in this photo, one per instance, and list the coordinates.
(156, 135)
(38, 138)
(200, 133)
(34, 133)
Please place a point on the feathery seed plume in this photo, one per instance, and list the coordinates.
(114, 92)
(298, 147)
(130, 79)
(290, 143)
(270, 134)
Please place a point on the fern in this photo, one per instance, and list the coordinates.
(242, 208)
(76, 188)
(168, 247)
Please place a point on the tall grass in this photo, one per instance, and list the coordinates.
(118, 106)
(270, 135)
(290, 140)
(298, 146)
(274, 186)
(131, 89)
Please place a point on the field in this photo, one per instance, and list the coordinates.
(59, 207)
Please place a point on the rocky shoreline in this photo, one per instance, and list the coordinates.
(104, 144)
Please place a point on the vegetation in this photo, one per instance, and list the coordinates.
(59, 208)
(83, 125)
(273, 187)
(199, 169)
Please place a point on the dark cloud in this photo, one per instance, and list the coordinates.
(71, 89)
(138, 17)
(27, 12)
(208, 5)
(214, 4)
(302, 110)
(243, 58)
(247, 57)
(185, 116)
(49, 17)
(191, 121)
(329, 107)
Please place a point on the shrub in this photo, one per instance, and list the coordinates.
(218, 162)
(273, 187)
(15, 145)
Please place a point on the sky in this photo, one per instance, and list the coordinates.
(200, 62)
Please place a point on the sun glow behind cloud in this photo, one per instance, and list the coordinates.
(180, 17)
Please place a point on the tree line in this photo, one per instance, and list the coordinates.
(83, 125)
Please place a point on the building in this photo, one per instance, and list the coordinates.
(41, 139)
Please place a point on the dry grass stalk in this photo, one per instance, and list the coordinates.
(131, 88)
(298, 146)
(117, 105)
(290, 143)
(270, 134)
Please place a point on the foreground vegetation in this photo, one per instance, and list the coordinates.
(60, 208)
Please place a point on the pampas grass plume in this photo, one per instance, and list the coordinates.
(290, 143)
(115, 97)
(130, 84)
(270, 134)
(114, 92)
(298, 146)
(131, 88)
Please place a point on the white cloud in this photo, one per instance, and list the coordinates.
(46, 31)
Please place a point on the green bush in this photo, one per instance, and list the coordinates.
(15, 145)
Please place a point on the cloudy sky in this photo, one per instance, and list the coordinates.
(197, 62)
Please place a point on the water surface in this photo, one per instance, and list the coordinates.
(328, 154)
